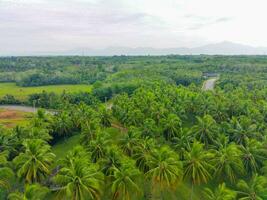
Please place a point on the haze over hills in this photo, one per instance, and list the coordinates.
(222, 48)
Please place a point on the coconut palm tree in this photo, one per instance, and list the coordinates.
(62, 124)
(33, 164)
(11, 140)
(89, 130)
(264, 168)
(79, 180)
(6, 174)
(218, 107)
(37, 133)
(149, 128)
(32, 192)
(182, 143)
(205, 130)
(165, 169)
(254, 189)
(242, 129)
(125, 182)
(111, 160)
(134, 117)
(227, 162)
(220, 193)
(98, 146)
(253, 155)
(105, 116)
(197, 166)
(41, 119)
(77, 152)
(121, 103)
(171, 126)
(130, 141)
(3, 157)
(143, 153)
(80, 114)
(158, 112)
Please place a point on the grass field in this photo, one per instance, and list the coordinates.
(21, 93)
(10, 118)
(62, 147)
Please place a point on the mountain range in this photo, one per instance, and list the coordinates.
(222, 48)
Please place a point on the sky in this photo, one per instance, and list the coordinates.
(63, 25)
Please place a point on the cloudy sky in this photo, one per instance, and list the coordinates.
(62, 25)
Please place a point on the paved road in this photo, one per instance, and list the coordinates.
(209, 84)
(24, 108)
(19, 108)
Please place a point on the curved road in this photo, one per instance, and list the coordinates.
(209, 84)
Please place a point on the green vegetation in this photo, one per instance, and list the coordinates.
(22, 93)
(145, 130)
(63, 146)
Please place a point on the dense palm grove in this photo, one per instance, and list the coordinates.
(163, 139)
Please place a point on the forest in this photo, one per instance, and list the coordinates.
(146, 129)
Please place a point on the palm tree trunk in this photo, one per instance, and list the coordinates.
(192, 191)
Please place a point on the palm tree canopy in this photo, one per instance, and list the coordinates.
(143, 153)
(79, 180)
(197, 166)
(98, 146)
(220, 193)
(125, 181)
(34, 163)
(253, 155)
(255, 189)
(32, 192)
(130, 141)
(165, 169)
(227, 162)
(6, 177)
(205, 130)
(171, 126)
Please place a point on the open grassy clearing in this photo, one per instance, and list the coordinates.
(22, 93)
(62, 147)
(10, 118)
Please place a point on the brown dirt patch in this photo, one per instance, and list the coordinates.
(10, 114)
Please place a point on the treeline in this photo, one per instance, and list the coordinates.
(51, 100)
(37, 71)
(38, 78)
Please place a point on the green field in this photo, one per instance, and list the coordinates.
(21, 93)
(62, 147)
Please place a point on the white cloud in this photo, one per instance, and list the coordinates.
(52, 25)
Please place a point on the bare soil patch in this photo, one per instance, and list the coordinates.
(10, 114)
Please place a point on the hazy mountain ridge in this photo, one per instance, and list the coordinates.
(222, 48)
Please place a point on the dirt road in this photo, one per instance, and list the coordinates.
(209, 84)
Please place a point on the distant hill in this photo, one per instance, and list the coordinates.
(229, 48)
(223, 48)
